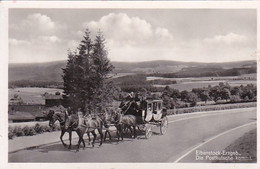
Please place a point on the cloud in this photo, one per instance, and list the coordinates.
(16, 42)
(37, 37)
(229, 38)
(41, 21)
(49, 39)
(35, 25)
(122, 30)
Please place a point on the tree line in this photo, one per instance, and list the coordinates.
(174, 98)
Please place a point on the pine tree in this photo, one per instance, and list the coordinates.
(101, 67)
(86, 76)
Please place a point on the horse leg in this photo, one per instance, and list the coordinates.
(95, 136)
(109, 135)
(88, 138)
(70, 133)
(131, 131)
(82, 132)
(117, 133)
(101, 136)
(134, 132)
(78, 141)
(121, 131)
(84, 145)
(105, 135)
(62, 133)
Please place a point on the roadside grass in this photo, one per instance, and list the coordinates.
(246, 146)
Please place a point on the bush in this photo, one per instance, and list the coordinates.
(18, 131)
(46, 129)
(29, 131)
(10, 133)
(38, 128)
(235, 98)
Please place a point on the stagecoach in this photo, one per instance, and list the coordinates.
(153, 113)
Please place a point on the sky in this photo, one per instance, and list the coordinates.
(133, 35)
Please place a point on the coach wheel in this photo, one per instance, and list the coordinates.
(148, 131)
(164, 125)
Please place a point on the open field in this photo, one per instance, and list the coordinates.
(200, 82)
(32, 95)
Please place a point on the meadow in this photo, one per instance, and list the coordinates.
(200, 82)
(32, 95)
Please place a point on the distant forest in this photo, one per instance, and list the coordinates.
(207, 72)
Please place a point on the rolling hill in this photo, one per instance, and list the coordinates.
(52, 71)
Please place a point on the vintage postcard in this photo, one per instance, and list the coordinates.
(129, 84)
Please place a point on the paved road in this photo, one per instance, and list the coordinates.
(204, 131)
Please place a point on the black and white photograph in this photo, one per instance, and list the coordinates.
(132, 85)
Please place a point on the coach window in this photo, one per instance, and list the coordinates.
(154, 106)
(150, 106)
(159, 106)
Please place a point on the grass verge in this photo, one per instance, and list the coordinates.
(245, 146)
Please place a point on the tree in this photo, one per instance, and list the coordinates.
(175, 94)
(184, 95)
(192, 98)
(76, 75)
(215, 93)
(225, 94)
(86, 80)
(236, 91)
(101, 67)
(204, 96)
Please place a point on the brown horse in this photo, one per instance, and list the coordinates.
(123, 121)
(106, 122)
(91, 124)
(63, 120)
(129, 108)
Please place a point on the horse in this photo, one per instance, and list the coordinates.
(91, 124)
(106, 122)
(121, 121)
(130, 108)
(63, 120)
